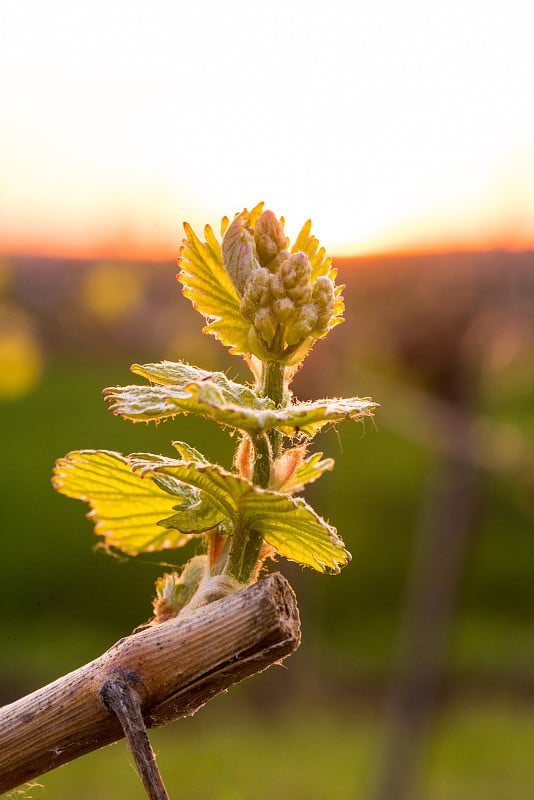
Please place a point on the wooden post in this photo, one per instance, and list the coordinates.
(176, 667)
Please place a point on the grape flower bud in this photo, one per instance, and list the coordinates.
(287, 306)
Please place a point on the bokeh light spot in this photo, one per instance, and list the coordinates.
(21, 359)
(112, 290)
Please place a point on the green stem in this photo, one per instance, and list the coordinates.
(246, 543)
(273, 386)
(244, 553)
(273, 382)
(261, 475)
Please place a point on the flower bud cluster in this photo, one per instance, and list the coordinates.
(278, 296)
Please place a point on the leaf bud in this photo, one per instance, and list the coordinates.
(285, 467)
(239, 253)
(174, 591)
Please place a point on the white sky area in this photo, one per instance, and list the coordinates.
(391, 125)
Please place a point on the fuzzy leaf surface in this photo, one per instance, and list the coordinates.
(321, 264)
(168, 373)
(287, 523)
(125, 507)
(197, 518)
(207, 284)
(309, 471)
(206, 399)
(189, 453)
(222, 487)
(293, 528)
(307, 243)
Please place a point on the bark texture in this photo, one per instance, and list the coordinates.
(176, 667)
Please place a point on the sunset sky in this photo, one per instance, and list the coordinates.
(392, 125)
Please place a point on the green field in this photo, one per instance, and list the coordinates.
(476, 753)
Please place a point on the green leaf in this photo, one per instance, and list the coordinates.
(196, 512)
(153, 403)
(197, 518)
(204, 398)
(293, 528)
(288, 524)
(189, 453)
(307, 243)
(169, 373)
(207, 284)
(309, 418)
(126, 508)
(308, 472)
(222, 487)
(188, 390)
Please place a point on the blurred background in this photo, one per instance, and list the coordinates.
(406, 136)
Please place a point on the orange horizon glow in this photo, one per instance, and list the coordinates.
(414, 241)
(125, 249)
(128, 249)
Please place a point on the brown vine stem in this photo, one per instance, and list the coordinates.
(174, 668)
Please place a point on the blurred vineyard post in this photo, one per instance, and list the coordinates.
(442, 541)
(450, 341)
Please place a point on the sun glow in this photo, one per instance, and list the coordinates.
(394, 126)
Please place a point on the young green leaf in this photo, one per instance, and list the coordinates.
(204, 398)
(307, 472)
(321, 264)
(174, 591)
(307, 243)
(178, 373)
(293, 528)
(207, 284)
(222, 487)
(125, 507)
(189, 453)
(199, 517)
(310, 417)
(286, 523)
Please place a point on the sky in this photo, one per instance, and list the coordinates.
(393, 126)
